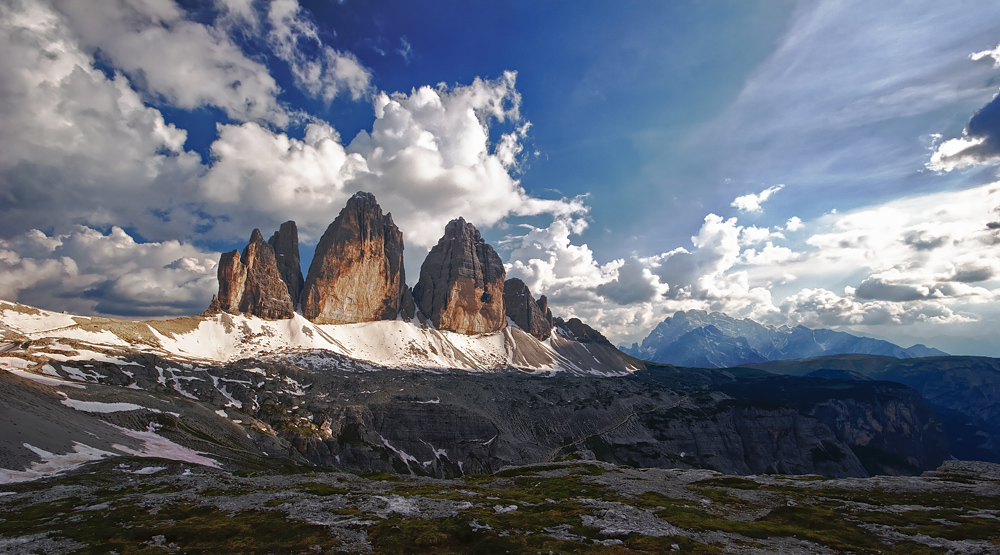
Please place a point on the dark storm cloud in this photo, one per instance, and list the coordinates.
(876, 289)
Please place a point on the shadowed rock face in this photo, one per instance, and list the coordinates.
(530, 315)
(581, 332)
(357, 273)
(285, 243)
(232, 279)
(461, 283)
(252, 284)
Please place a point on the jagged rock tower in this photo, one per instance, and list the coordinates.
(357, 273)
(461, 282)
(530, 315)
(252, 284)
(285, 243)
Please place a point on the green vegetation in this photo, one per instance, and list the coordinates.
(555, 507)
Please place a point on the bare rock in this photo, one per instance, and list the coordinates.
(530, 315)
(357, 273)
(232, 279)
(574, 328)
(251, 284)
(265, 293)
(285, 243)
(461, 282)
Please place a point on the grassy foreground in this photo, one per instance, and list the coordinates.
(141, 506)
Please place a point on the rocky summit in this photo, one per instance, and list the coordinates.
(461, 284)
(530, 315)
(357, 273)
(252, 283)
(285, 243)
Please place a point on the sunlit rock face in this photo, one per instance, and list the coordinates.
(530, 315)
(252, 284)
(357, 272)
(285, 243)
(461, 282)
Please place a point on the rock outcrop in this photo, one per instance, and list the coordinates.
(575, 329)
(251, 284)
(530, 315)
(357, 273)
(461, 282)
(285, 243)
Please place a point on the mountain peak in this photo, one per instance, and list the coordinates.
(461, 286)
(724, 340)
(357, 272)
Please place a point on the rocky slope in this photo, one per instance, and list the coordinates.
(965, 391)
(332, 407)
(357, 272)
(716, 340)
(252, 283)
(444, 424)
(461, 286)
(530, 315)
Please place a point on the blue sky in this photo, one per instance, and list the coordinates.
(795, 162)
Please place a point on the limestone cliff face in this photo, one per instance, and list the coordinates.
(530, 315)
(897, 421)
(251, 284)
(461, 282)
(232, 278)
(357, 273)
(285, 243)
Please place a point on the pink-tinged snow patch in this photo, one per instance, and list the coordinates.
(96, 406)
(52, 463)
(155, 445)
(44, 380)
(12, 362)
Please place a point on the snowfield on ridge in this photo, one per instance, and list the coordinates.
(223, 338)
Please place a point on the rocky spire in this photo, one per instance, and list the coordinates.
(531, 316)
(461, 282)
(285, 243)
(251, 284)
(357, 272)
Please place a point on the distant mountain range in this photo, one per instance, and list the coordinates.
(696, 338)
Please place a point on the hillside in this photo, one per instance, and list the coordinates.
(235, 391)
(222, 338)
(965, 391)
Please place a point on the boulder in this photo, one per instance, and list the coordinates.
(530, 315)
(285, 243)
(461, 283)
(251, 284)
(357, 272)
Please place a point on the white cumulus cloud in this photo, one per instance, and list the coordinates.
(86, 271)
(324, 74)
(752, 202)
(185, 63)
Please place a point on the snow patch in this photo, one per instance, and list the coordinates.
(44, 380)
(53, 464)
(155, 445)
(148, 470)
(97, 406)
